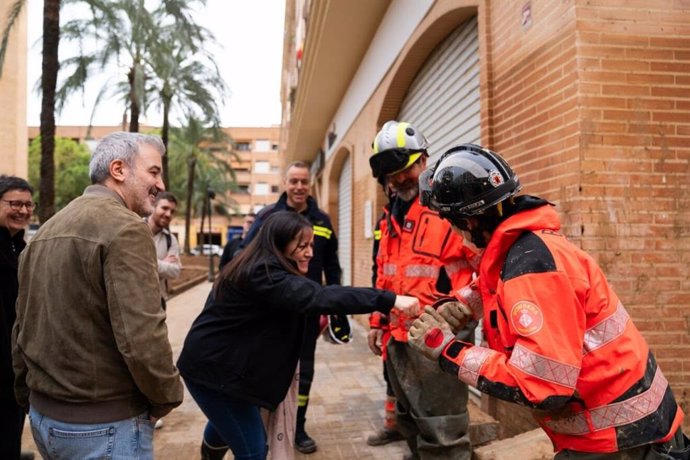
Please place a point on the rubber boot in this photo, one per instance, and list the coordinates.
(303, 442)
(212, 453)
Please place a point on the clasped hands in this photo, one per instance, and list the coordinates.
(432, 330)
(408, 306)
(435, 328)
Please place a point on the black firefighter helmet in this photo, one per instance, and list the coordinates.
(466, 181)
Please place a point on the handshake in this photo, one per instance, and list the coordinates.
(437, 326)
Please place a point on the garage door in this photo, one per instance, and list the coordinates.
(345, 221)
(443, 99)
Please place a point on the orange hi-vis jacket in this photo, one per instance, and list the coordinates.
(411, 257)
(561, 342)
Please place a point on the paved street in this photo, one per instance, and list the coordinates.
(346, 399)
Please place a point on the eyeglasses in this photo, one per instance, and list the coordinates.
(17, 205)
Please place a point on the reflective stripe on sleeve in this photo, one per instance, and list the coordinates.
(389, 269)
(421, 271)
(471, 364)
(457, 266)
(545, 368)
(323, 231)
(616, 414)
(606, 331)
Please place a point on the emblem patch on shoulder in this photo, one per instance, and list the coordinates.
(408, 226)
(526, 317)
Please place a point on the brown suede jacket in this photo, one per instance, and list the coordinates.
(90, 343)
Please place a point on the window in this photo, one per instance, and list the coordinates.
(262, 167)
(274, 146)
(242, 146)
(262, 145)
(261, 188)
(243, 189)
(275, 189)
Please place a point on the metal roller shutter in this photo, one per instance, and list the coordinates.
(443, 99)
(345, 221)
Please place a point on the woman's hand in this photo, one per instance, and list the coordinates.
(407, 305)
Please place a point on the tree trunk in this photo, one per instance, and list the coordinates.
(50, 66)
(201, 232)
(191, 165)
(165, 133)
(134, 109)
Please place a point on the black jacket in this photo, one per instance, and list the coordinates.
(324, 263)
(231, 247)
(246, 343)
(10, 247)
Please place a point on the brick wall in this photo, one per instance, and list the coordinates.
(534, 119)
(14, 153)
(591, 104)
(634, 70)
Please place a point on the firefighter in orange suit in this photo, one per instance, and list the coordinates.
(379, 335)
(559, 339)
(418, 254)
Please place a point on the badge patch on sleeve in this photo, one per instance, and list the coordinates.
(526, 317)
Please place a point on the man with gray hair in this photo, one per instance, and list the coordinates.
(91, 354)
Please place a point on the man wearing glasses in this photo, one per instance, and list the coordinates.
(16, 208)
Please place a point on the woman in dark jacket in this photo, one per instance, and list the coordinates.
(242, 351)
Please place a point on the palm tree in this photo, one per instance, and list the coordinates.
(50, 66)
(199, 153)
(126, 33)
(49, 72)
(184, 78)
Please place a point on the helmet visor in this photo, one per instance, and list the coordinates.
(392, 161)
(426, 197)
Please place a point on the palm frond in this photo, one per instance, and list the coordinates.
(15, 11)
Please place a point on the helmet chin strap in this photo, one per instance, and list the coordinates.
(487, 223)
(478, 237)
(491, 219)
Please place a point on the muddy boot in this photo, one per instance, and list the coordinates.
(383, 437)
(212, 453)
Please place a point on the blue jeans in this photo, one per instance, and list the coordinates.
(127, 439)
(231, 422)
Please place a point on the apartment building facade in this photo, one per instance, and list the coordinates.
(588, 100)
(13, 130)
(255, 159)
